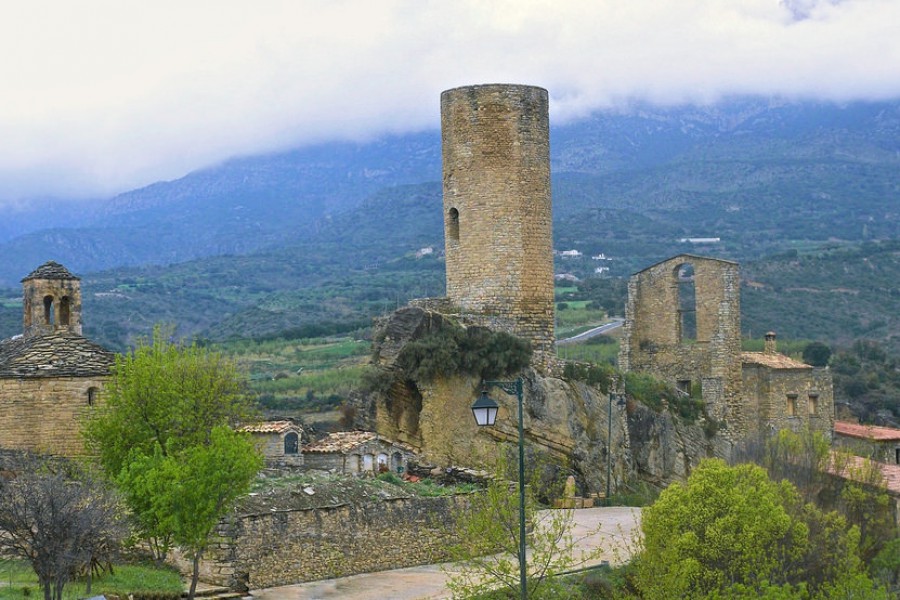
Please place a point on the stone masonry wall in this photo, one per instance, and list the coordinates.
(291, 546)
(44, 414)
(497, 206)
(653, 341)
(770, 388)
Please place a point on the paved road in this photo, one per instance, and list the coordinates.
(610, 528)
(616, 323)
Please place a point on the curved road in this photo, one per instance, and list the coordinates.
(614, 324)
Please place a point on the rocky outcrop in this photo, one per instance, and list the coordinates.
(577, 424)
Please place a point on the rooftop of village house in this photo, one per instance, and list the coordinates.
(867, 432)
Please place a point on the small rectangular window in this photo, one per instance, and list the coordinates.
(792, 405)
(812, 404)
(684, 386)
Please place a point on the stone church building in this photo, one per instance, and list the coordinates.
(50, 375)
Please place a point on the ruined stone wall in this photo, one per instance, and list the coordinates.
(653, 339)
(44, 414)
(292, 546)
(497, 207)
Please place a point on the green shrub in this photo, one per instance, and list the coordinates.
(453, 350)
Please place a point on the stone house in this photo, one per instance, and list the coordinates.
(881, 444)
(279, 441)
(357, 453)
(50, 375)
(785, 393)
(683, 324)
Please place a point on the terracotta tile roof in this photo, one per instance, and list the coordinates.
(60, 354)
(340, 441)
(50, 270)
(867, 432)
(773, 361)
(270, 427)
(891, 473)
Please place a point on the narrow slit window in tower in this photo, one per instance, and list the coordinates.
(64, 310)
(687, 302)
(453, 224)
(49, 317)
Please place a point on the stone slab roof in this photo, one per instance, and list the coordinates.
(270, 427)
(62, 354)
(867, 432)
(773, 361)
(50, 270)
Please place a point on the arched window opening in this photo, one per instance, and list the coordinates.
(92, 396)
(397, 462)
(49, 317)
(453, 225)
(382, 459)
(687, 302)
(368, 463)
(64, 311)
(291, 443)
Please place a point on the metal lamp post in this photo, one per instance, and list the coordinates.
(485, 411)
(620, 401)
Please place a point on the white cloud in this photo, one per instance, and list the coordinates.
(101, 96)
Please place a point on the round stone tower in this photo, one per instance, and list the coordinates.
(51, 300)
(497, 206)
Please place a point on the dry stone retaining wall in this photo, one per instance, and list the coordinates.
(281, 547)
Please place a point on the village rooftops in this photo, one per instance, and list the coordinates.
(270, 427)
(773, 361)
(61, 354)
(345, 441)
(51, 270)
(855, 465)
(867, 432)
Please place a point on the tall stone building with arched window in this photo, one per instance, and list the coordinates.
(50, 375)
(683, 324)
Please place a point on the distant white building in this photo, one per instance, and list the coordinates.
(565, 277)
(700, 240)
(424, 251)
(601, 270)
(570, 253)
(600, 256)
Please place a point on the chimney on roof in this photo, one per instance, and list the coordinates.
(771, 345)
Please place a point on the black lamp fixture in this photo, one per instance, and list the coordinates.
(485, 410)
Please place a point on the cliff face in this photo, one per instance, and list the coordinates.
(568, 420)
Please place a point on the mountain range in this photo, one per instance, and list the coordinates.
(327, 234)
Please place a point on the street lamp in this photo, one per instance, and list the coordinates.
(485, 411)
(620, 401)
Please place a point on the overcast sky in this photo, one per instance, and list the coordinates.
(98, 97)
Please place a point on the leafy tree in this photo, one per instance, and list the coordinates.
(188, 491)
(731, 529)
(58, 525)
(817, 354)
(167, 422)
